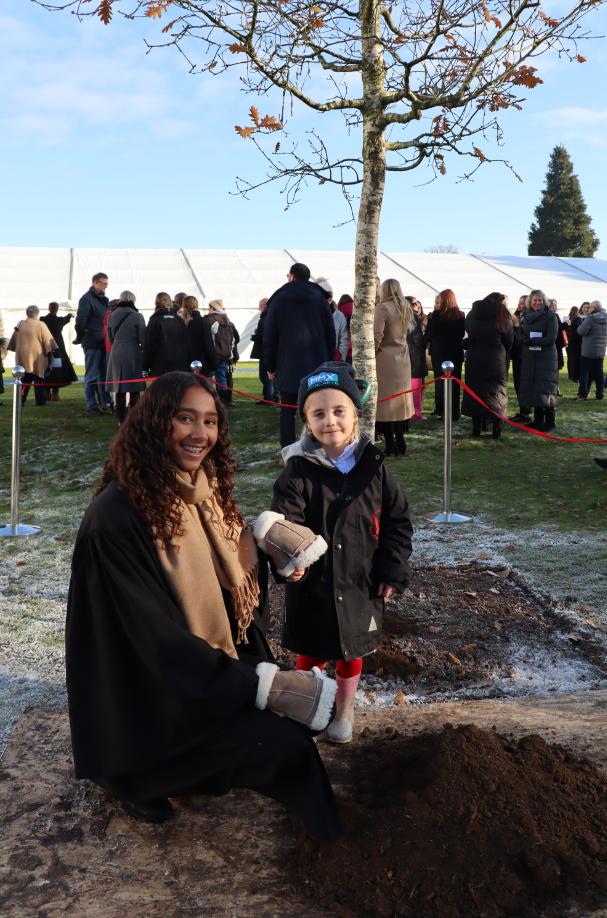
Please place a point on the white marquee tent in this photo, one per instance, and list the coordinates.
(241, 277)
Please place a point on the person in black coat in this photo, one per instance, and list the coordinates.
(490, 337)
(445, 331)
(65, 374)
(155, 709)
(202, 346)
(561, 339)
(299, 335)
(166, 345)
(539, 372)
(268, 395)
(574, 341)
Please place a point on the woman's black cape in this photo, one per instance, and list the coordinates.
(154, 710)
(141, 687)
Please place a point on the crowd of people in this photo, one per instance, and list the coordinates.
(302, 325)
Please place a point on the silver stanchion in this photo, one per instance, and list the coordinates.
(196, 366)
(447, 515)
(16, 528)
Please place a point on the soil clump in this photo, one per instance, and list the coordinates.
(465, 822)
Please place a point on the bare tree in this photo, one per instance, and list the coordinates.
(448, 249)
(421, 78)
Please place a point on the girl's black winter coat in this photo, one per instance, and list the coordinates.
(486, 364)
(334, 612)
(539, 370)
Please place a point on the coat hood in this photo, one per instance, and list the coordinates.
(220, 317)
(310, 449)
(599, 316)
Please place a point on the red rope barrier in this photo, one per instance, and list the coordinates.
(537, 433)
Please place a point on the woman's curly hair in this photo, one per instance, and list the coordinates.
(140, 462)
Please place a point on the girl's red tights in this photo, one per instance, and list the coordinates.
(345, 668)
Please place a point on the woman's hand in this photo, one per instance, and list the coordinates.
(385, 590)
(297, 574)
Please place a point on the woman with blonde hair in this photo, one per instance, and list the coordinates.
(200, 336)
(445, 332)
(394, 318)
(539, 371)
(166, 345)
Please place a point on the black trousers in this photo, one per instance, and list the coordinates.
(258, 750)
(439, 390)
(287, 418)
(38, 389)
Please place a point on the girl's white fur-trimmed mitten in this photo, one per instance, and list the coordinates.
(288, 544)
(307, 697)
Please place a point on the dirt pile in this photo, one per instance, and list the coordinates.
(461, 823)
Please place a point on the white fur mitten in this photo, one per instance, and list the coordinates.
(288, 544)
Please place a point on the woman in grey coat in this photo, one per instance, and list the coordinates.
(539, 369)
(125, 331)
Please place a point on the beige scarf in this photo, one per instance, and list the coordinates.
(205, 559)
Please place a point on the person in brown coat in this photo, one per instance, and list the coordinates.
(393, 319)
(33, 345)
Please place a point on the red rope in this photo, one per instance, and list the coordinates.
(537, 433)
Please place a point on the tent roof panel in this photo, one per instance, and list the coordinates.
(470, 278)
(556, 277)
(595, 267)
(33, 276)
(145, 272)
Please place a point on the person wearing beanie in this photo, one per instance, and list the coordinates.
(336, 490)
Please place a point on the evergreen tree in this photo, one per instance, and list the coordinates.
(563, 226)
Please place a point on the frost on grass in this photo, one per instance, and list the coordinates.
(34, 580)
(569, 568)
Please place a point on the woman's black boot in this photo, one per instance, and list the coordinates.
(476, 427)
(497, 429)
(549, 420)
(401, 443)
(390, 449)
(152, 811)
(538, 419)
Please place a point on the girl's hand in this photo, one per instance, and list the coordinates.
(297, 574)
(385, 590)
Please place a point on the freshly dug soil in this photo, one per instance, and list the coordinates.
(465, 822)
(463, 629)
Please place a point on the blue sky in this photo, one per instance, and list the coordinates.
(103, 145)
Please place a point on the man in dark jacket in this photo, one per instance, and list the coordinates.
(593, 330)
(268, 394)
(89, 333)
(299, 335)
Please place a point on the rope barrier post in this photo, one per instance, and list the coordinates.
(196, 367)
(15, 528)
(447, 516)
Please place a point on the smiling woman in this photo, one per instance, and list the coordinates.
(172, 686)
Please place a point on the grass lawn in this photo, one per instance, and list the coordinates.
(538, 507)
(517, 482)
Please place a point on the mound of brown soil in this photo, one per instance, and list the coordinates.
(461, 823)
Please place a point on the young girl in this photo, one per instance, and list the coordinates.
(170, 682)
(335, 482)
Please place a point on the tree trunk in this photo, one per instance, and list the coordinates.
(367, 228)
